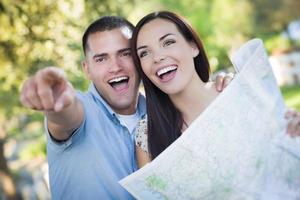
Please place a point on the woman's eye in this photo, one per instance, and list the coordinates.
(169, 42)
(143, 54)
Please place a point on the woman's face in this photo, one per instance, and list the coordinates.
(166, 57)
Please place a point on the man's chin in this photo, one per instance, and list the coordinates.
(125, 105)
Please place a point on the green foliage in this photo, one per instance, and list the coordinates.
(277, 43)
(291, 95)
(34, 149)
(35, 34)
(272, 16)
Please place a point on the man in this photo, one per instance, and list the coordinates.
(90, 143)
(90, 135)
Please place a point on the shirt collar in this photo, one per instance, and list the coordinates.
(141, 106)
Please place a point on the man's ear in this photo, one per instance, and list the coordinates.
(195, 49)
(86, 69)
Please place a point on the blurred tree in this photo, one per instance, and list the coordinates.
(35, 34)
(273, 16)
(232, 26)
(105, 7)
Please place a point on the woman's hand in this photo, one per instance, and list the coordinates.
(293, 128)
(222, 80)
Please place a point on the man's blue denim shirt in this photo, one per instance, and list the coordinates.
(99, 154)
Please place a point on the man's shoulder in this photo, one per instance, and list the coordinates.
(91, 104)
(85, 97)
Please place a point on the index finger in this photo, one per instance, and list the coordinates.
(46, 79)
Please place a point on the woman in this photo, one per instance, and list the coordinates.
(175, 71)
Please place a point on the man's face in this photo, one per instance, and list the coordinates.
(109, 65)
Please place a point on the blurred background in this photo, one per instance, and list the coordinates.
(34, 34)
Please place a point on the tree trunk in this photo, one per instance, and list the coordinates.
(6, 180)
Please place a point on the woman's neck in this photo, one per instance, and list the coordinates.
(193, 100)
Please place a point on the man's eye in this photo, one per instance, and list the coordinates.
(168, 42)
(101, 59)
(126, 53)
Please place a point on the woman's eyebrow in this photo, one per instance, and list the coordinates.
(141, 47)
(164, 36)
(160, 39)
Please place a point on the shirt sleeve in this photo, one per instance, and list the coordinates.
(141, 137)
(58, 146)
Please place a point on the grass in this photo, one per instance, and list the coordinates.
(291, 95)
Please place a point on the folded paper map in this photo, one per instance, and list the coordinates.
(236, 149)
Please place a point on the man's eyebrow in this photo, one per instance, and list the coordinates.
(99, 55)
(123, 50)
(160, 39)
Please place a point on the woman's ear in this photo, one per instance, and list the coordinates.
(195, 49)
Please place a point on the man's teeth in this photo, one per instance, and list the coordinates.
(118, 79)
(165, 70)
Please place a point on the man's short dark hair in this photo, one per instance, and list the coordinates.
(105, 23)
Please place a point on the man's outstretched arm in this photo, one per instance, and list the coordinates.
(50, 92)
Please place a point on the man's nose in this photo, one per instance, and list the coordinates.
(115, 65)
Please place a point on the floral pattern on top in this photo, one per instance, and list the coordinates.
(141, 137)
